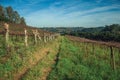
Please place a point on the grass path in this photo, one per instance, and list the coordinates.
(41, 70)
(38, 56)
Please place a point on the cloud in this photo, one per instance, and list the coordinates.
(53, 17)
(99, 1)
(94, 10)
(33, 2)
(68, 13)
(100, 19)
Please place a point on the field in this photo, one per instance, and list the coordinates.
(62, 58)
(75, 62)
(16, 62)
(63, 41)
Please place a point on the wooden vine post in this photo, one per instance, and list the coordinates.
(50, 37)
(85, 49)
(44, 38)
(47, 38)
(119, 54)
(6, 27)
(93, 48)
(26, 38)
(53, 37)
(38, 36)
(112, 58)
(35, 35)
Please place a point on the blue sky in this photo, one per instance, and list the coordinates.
(67, 13)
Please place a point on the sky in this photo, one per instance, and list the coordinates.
(67, 13)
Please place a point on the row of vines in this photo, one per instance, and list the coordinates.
(19, 49)
(25, 38)
(112, 48)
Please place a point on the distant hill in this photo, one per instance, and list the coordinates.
(62, 30)
(105, 33)
(69, 30)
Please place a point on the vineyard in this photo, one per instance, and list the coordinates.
(28, 53)
(20, 47)
(81, 61)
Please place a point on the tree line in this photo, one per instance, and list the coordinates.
(104, 33)
(7, 14)
(107, 33)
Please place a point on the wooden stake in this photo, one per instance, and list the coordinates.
(44, 38)
(6, 27)
(112, 57)
(26, 38)
(35, 35)
(119, 54)
(93, 48)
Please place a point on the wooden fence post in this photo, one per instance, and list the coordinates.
(26, 38)
(85, 49)
(50, 37)
(93, 48)
(47, 38)
(6, 27)
(112, 58)
(44, 37)
(119, 54)
(39, 37)
(35, 35)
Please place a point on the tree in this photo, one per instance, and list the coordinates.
(17, 18)
(3, 14)
(10, 13)
(1, 11)
(23, 21)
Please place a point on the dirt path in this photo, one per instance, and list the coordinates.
(38, 56)
(45, 65)
(47, 71)
(41, 57)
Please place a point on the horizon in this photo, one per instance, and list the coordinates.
(76, 13)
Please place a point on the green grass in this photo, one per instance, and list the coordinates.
(77, 63)
(13, 62)
(37, 72)
(75, 60)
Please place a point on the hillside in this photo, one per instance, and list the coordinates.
(23, 47)
(67, 57)
(16, 23)
(106, 33)
(18, 29)
(30, 53)
(79, 60)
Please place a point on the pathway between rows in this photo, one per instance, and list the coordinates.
(38, 56)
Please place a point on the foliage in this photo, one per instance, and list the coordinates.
(7, 14)
(12, 61)
(108, 33)
(77, 63)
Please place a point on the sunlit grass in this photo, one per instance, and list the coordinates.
(77, 61)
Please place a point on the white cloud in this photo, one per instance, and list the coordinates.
(50, 19)
(99, 1)
(100, 19)
(98, 9)
(66, 16)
